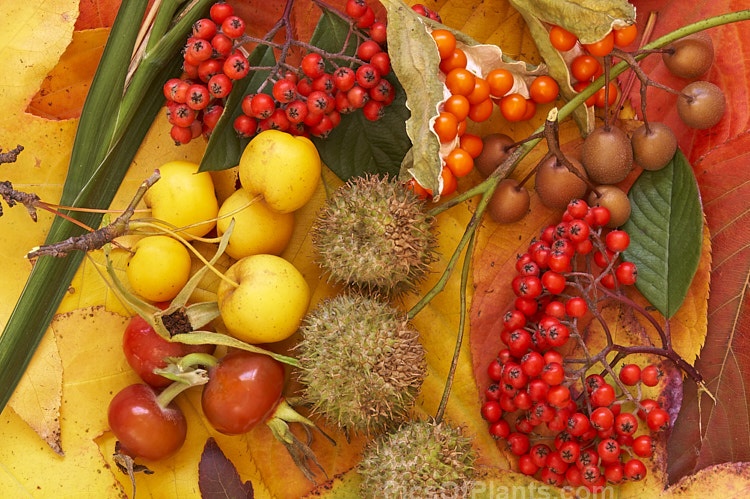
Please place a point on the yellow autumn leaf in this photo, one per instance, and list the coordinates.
(28, 52)
(93, 367)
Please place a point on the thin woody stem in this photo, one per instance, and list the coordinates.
(100, 237)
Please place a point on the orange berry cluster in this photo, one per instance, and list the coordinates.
(473, 98)
(587, 67)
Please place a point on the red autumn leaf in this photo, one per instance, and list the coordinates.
(719, 157)
(217, 476)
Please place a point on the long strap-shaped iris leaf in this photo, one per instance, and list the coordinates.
(113, 123)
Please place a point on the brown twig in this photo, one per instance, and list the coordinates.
(98, 238)
(10, 156)
(12, 196)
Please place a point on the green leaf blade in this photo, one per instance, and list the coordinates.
(666, 233)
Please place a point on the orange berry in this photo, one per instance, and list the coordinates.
(458, 105)
(544, 89)
(461, 128)
(460, 162)
(513, 107)
(450, 184)
(445, 126)
(500, 82)
(457, 59)
(602, 47)
(530, 110)
(625, 36)
(481, 112)
(562, 39)
(460, 81)
(417, 189)
(472, 144)
(481, 91)
(446, 42)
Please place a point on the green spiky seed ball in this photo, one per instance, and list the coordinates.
(374, 234)
(361, 363)
(420, 459)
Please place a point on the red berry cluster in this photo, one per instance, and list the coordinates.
(311, 103)
(534, 395)
(211, 64)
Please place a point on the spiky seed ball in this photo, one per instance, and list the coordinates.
(361, 363)
(420, 459)
(374, 234)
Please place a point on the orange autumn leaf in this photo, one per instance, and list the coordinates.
(64, 89)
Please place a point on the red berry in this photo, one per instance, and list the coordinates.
(355, 8)
(236, 66)
(603, 396)
(233, 27)
(296, 111)
(222, 44)
(658, 419)
(219, 86)
(617, 240)
(344, 78)
(626, 273)
(578, 208)
(262, 106)
(373, 110)
(382, 62)
(602, 418)
(576, 307)
(204, 28)
(319, 102)
(245, 126)
(630, 374)
(367, 49)
(211, 115)
(313, 65)
(210, 68)
(198, 96)
(182, 115)
(643, 446)
(651, 375)
(367, 19)
(635, 470)
(220, 11)
(491, 411)
(284, 90)
(181, 135)
(378, 32)
(367, 76)
(500, 429)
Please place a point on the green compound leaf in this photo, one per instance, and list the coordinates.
(357, 145)
(589, 20)
(666, 233)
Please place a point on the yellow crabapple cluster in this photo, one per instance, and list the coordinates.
(278, 174)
